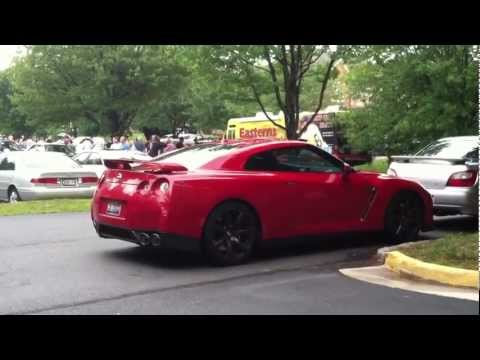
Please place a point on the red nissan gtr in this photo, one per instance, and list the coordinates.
(224, 199)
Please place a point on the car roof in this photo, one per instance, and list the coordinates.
(30, 154)
(234, 160)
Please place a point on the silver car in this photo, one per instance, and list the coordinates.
(448, 169)
(26, 175)
(95, 160)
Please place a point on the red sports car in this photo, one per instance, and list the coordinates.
(225, 199)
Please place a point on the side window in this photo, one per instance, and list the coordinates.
(6, 164)
(301, 159)
(309, 160)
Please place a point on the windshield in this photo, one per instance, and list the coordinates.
(196, 156)
(455, 149)
(46, 161)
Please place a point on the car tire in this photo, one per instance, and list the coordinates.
(230, 234)
(13, 195)
(403, 218)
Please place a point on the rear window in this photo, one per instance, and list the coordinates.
(456, 149)
(195, 157)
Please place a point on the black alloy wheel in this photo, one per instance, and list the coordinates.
(230, 234)
(403, 218)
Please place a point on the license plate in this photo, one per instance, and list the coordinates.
(114, 208)
(69, 182)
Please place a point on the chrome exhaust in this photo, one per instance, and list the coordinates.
(156, 239)
(142, 238)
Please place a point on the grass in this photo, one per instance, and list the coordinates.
(45, 207)
(380, 166)
(456, 249)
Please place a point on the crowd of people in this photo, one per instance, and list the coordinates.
(153, 146)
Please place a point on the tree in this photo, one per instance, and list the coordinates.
(413, 95)
(99, 87)
(280, 71)
(11, 120)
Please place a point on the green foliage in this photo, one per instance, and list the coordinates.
(274, 78)
(379, 165)
(455, 249)
(11, 121)
(414, 94)
(45, 207)
(98, 88)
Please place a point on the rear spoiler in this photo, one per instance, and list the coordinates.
(407, 158)
(119, 164)
(145, 165)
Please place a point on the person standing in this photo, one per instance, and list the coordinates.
(115, 144)
(156, 147)
(170, 146)
(138, 145)
(180, 143)
(124, 143)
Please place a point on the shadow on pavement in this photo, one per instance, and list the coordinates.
(357, 246)
(446, 224)
(456, 223)
(168, 259)
(362, 246)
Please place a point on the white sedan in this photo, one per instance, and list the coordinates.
(26, 175)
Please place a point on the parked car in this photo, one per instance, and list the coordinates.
(43, 175)
(51, 147)
(95, 160)
(226, 199)
(7, 145)
(188, 139)
(448, 169)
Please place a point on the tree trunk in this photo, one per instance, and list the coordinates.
(115, 124)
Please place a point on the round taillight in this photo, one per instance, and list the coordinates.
(161, 186)
(164, 186)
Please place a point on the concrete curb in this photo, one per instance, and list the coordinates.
(405, 265)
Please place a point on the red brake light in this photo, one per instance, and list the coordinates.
(463, 179)
(89, 179)
(45, 181)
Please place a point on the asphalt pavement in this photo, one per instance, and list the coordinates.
(56, 264)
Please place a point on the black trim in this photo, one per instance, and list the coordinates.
(166, 241)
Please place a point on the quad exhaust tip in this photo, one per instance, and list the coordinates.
(145, 239)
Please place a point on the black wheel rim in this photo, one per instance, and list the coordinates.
(405, 219)
(233, 234)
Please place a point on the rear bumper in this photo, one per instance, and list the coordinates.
(453, 200)
(39, 193)
(148, 238)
